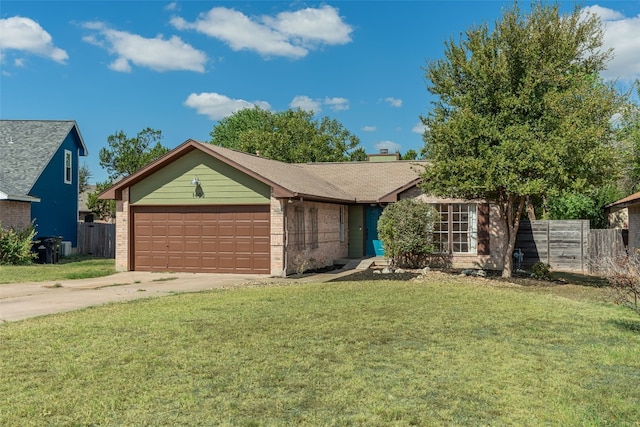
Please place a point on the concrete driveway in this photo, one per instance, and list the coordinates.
(24, 300)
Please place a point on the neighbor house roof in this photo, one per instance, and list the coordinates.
(26, 147)
(623, 203)
(357, 182)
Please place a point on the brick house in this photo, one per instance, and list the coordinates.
(631, 205)
(204, 208)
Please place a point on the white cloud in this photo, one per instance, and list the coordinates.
(288, 34)
(24, 34)
(394, 102)
(604, 13)
(623, 35)
(389, 145)
(310, 26)
(217, 106)
(337, 104)
(419, 128)
(305, 103)
(368, 128)
(156, 53)
(172, 6)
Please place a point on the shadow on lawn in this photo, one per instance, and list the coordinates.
(628, 325)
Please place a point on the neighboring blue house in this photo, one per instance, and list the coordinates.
(39, 176)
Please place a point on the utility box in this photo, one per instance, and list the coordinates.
(65, 249)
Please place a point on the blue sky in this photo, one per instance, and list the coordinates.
(179, 67)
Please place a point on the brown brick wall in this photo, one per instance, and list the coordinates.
(329, 247)
(15, 214)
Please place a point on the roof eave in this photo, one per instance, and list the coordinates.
(115, 192)
(16, 198)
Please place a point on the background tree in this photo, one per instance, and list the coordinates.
(125, 155)
(121, 158)
(358, 155)
(104, 210)
(291, 136)
(410, 154)
(628, 139)
(520, 111)
(84, 175)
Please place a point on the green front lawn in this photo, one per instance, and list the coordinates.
(69, 268)
(450, 351)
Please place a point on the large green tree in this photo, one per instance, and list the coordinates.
(520, 111)
(125, 155)
(628, 138)
(292, 136)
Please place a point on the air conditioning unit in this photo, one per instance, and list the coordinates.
(65, 249)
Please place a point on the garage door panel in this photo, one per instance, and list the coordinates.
(225, 239)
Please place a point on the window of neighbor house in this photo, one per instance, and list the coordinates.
(314, 227)
(457, 231)
(300, 231)
(68, 167)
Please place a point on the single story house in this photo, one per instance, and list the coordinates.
(39, 176)
(632, 206)
(205, 208)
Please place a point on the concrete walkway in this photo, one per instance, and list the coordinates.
(25, 300)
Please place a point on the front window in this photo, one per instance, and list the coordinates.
(68, 167)
(457, 231)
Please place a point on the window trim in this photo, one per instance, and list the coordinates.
(454, 228)
(68, 167)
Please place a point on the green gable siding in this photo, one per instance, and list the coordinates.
(356, 231)
(221, 184)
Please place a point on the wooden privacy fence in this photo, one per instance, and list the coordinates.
(568, 245)
(97, 239)
(562, 244)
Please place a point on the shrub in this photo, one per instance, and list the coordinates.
(542, 271)
(15, 245)
(623, 275)
(406, 230)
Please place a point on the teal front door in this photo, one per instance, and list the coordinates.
(373, 246)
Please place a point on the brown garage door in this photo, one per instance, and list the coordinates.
(214, 239)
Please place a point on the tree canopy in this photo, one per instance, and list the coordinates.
(520, 111)
(125, 155)
(291, 136)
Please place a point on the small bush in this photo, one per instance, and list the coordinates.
(406, 230)
(15, 245)
(622, 272)
(541, 271)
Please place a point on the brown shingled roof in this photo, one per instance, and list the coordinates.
(622, 203)
(364, 182)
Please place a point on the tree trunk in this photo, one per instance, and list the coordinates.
(513, 214)
(531, 210)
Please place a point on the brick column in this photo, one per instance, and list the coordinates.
(122, 232)
(277, 236)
